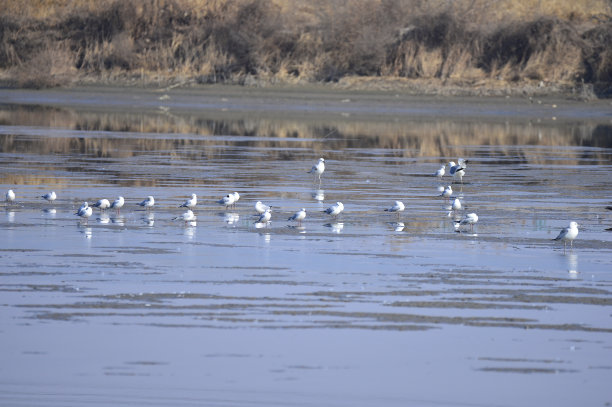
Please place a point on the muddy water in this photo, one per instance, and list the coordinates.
(135, 308)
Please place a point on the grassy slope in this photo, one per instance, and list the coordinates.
(420, 45)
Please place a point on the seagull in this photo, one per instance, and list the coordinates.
(568, 234)
(84, 211)
(441, 171)
(299, 216)
(190, 203)
(228, 200)
(448, 191)
(456, 205)
(148, 203)
(50, 196)
(335, 209)
(260, 207)
(118, 203)
(318, 168)
(457, 170)
(187, 216)
(265, 217)
(10, 196)
(469, 219)
(102, 204)
(397, 207)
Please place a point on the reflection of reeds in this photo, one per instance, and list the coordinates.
(193, 137)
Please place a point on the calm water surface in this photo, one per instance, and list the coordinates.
(135, 308)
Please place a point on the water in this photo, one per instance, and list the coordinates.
(136, 308)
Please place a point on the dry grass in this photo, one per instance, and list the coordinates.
(294, 41)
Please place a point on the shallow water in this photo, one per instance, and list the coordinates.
(139, 309)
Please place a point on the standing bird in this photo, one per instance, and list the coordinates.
(298, 216)
(441, 171)
(457, 170)
(397, 207)
(265, 217)
(469, 219)
(227, 200)
(448, 191)
(568, 234)
(456, 206)
(260, 207)
(335, 209)
(50, 196)
(318, 169)
(10, 196)
(148, 203)
(102, 204)
(118, 203)
(84, 211)
(187, 216)
(190, 203)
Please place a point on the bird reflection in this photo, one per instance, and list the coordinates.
(104, 218)
(572, 264)
(10, 216)
(318, 195)
(231, 218)
(149, 219)
(335, 227)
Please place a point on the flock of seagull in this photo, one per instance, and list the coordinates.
(264, 212)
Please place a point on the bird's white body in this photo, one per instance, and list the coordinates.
(441, 171)
(148, 203)
(260, 207)
(102, 204)
(457, 170)
(190, 203)
(227, 200)
(84, 211)
(10, 196)
(50, 196)
(335, 209)
(265, 217)
(456, 206)
(236, 196)
(298, 216)
(188, 216)
(398, 206)
(568, 234)
(118, 203)
(318, 169)
(469, 219)
(448, 192)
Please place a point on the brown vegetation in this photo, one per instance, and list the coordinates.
(461, 43)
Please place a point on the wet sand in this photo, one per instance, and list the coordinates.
(139, 309)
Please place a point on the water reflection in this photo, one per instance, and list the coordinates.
(104, 218)
(10, 216)
(231, 218)
(336, 227)
(149, 218)
(318, 195)
(572, 264)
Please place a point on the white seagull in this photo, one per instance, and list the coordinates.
(441, 171)
(190, 203)
(148, 203)
(448, 191)
(84, 211)
(298, 216)
(260, 207)
(265, 217)
(318, 168)
(10, 196)
(457, 170)
(335, 209)
(456, 206)
(227, 201)
(118, 203)
(568, 234)
(102, 204)
(398, 207)
(50, 196)
(469, 219)
(187, 216)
